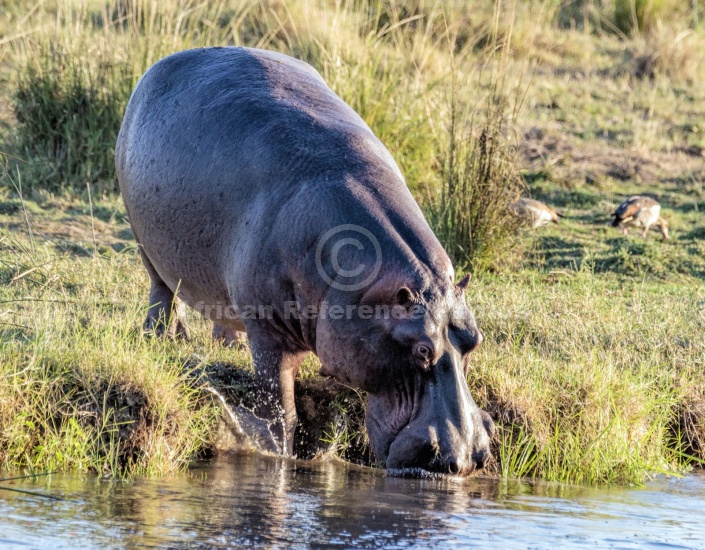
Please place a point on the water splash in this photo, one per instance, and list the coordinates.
(251, 432)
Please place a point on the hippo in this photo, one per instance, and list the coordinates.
(261, 199)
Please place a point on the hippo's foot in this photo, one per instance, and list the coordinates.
(229, 337)
(161, 322)
(166, 312)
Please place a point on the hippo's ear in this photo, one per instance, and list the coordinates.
(392, 291)
(463, 284)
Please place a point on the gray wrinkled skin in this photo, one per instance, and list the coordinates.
(233, 163)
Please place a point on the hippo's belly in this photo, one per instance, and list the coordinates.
(187, 244)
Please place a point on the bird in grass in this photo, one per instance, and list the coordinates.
(536, 212)
(640, 211)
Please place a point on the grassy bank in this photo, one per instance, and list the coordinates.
(590, 377)
(593, 363)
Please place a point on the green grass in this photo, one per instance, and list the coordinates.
(593, 361)
(588, 369)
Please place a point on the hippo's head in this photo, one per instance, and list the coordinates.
(409, 347)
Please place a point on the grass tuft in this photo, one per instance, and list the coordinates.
(68, 116)
(471, 209)
(472, 213)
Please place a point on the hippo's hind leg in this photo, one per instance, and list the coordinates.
(166, 312)
(229, 336)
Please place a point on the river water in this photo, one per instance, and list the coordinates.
(250, 500)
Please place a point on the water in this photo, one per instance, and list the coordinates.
(249, 500)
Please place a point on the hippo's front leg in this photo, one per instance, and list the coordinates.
(276, 365)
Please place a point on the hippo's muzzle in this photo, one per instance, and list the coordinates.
(449, 434)
(449, 453)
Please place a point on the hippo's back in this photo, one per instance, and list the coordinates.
(214, 141)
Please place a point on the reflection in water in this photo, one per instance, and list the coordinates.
(273, 502)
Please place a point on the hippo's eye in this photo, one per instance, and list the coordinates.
(423, 355)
